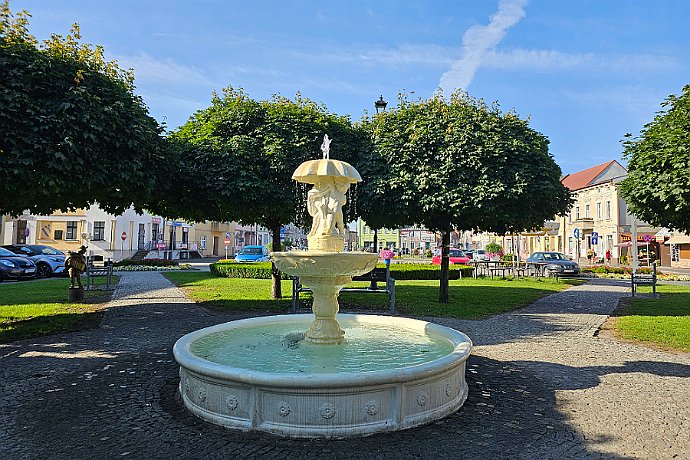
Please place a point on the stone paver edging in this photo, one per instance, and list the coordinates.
(542, 385)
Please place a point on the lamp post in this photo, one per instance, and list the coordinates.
(380, 104)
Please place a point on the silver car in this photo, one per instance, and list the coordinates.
(49, 261)
(553, 262)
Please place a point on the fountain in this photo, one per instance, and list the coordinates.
(347, 376)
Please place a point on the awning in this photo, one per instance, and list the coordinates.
(628, 244)
(679, 238)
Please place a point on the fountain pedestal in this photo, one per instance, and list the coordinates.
(325, 329)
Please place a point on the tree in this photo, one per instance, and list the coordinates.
(657, 188)
(72, 132)
(459, 164)
(238, 156)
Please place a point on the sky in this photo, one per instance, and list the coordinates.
(585, 72)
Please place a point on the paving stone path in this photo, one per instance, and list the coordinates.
(542, 385)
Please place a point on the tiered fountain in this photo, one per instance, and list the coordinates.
(354, 375)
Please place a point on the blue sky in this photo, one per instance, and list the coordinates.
(585, 71)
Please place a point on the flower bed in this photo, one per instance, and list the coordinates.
(151, 268)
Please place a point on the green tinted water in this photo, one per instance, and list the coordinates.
(278, 348)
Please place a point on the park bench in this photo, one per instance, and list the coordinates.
(377, 275)
(639, 279)
(97, 266)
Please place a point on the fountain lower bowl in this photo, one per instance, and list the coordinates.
(324, 264)
(328, 405)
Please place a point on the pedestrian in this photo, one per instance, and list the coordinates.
(590, 254)
(608, 257)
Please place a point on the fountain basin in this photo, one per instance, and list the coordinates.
(329, 404)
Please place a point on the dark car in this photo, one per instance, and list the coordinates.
(14, 267)
(553, 262)
(49, 261)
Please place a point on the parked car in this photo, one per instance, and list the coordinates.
(14, 267)
(49, 261)
(554, 262)
(253, 254)
(455, 256)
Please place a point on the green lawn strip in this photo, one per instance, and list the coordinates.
(469, 298)
(237, 294)
(30, 309)
(663, 322)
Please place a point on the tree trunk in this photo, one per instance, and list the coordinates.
(445, 246)
(376, 241)
(276, 291)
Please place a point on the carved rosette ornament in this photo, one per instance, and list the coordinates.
(422, 398)
(231, 402)
(372, 407)
(327, 410)
(283, 409)
(449, 389)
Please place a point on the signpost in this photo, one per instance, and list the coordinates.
(576, 234)
(123, 235)
(595, 238)
(647, 239)
(227, 244)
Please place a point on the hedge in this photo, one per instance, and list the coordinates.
(262, 270)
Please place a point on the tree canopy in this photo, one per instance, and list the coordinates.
(72, 131)
(657, 188)
(237, 158)
(459, 163)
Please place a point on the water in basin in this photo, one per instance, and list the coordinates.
(277, 348)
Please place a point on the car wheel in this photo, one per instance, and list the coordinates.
(43, 271)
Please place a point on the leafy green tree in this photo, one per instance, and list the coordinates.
(72, 132)
(458, 164)
(237, 158)
(657, 188)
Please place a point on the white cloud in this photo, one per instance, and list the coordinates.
(477, 41)
(148, 68)
(556, 61)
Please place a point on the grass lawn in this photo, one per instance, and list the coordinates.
(469, 298)
(33, 308)
(663, 322)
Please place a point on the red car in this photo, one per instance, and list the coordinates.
(455, 256)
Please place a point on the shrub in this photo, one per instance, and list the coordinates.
(257, 270)
(426, 272)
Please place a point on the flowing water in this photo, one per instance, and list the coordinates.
(279, 348)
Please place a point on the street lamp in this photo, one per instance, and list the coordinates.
(380, 104)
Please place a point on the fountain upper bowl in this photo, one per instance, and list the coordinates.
(324, 264)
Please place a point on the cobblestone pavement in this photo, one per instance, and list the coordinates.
(542, 385)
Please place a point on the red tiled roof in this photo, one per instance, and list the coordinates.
(582, 179)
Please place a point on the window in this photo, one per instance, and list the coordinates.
(608, 210)
(71, 231)
(98, 231)
(202, 241)
(577, 213)
(155, 229)
(598, 211)
(570, 217)
(587, 216)
(57, 235)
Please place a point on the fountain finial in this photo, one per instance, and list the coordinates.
(326, 147)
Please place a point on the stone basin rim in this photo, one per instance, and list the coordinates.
(461, 351)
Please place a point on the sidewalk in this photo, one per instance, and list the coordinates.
(542, 385)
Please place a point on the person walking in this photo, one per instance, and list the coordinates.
(590, 254)
(608, 257)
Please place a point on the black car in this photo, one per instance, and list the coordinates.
(14, 267)
(553, 262)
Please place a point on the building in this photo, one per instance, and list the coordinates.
(387, 238)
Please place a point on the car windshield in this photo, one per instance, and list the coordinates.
(251, 251)
(554, 256)
(4, 252)
(47, 250)
(456, 253)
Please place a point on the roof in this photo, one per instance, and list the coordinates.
(587, 177)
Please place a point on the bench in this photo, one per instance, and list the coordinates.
(96, 266)
(639, 279)
(496, 270)
(381, 275)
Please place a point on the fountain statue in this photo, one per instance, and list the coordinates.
(346, 375)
